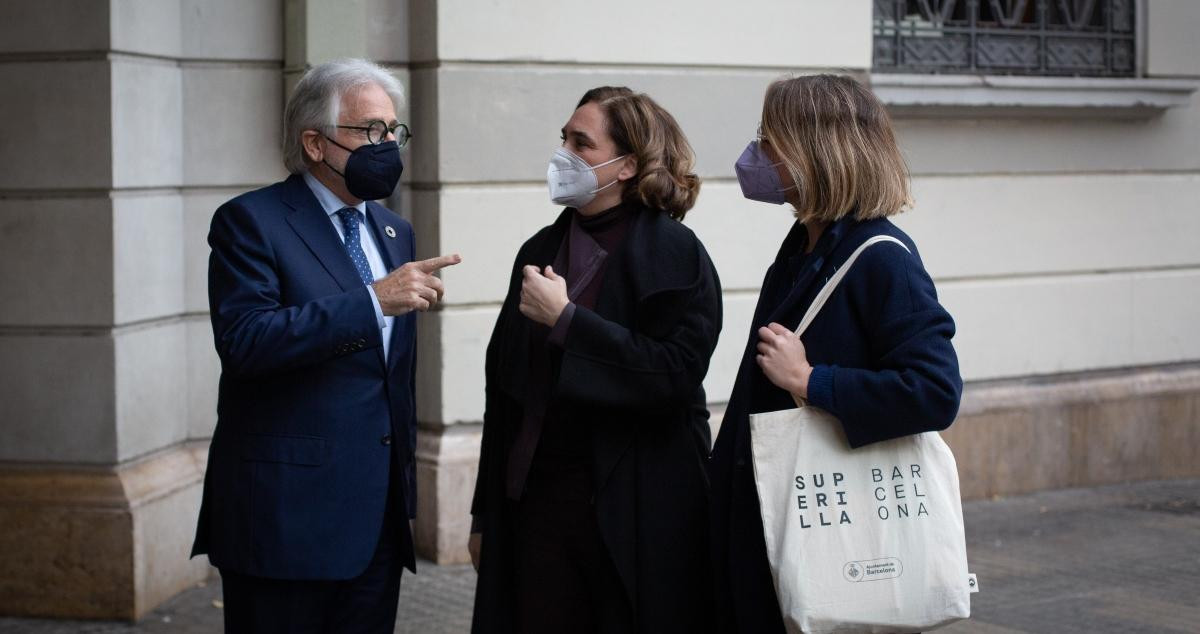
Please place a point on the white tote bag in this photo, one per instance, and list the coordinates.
(859, 540)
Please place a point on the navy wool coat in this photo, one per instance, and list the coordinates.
(883, 365)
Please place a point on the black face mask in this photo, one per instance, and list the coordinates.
(372, 171)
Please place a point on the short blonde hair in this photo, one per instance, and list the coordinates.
(835, 138)
(666, 179)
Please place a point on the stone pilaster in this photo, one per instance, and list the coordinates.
(124, 125)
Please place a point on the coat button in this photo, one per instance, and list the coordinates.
(386, 440)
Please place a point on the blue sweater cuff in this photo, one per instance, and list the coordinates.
(820, 387)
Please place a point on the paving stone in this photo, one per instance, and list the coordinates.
(1122, 558)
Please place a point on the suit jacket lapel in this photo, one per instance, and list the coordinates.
(390, 246)
(309, 220)
(396, 251)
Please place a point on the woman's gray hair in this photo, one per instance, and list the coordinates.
(317, 100)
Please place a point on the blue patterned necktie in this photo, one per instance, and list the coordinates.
(350, 217)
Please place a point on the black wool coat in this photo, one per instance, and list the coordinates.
(631, 373)
(883, 365)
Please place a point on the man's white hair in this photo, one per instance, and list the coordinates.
(317, 101)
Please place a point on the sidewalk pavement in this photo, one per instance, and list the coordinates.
(1123, 558)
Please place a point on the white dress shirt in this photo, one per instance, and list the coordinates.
(332, 204)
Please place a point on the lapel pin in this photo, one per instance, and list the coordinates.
(391, 233)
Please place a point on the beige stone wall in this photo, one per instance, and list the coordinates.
(118, 155)
(1171, 33)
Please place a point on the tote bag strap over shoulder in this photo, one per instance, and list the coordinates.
(831, 285)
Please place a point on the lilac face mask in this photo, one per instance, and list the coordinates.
(758, 177)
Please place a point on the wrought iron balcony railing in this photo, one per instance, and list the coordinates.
(1094, 38)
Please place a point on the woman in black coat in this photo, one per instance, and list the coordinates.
(878, 356)
(591, 504)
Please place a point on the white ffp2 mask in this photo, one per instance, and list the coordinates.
(572, 180)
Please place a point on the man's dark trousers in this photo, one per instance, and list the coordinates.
(365, 604)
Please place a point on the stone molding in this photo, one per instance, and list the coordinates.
(938, 96)
(1017, 436)
(124, 487)
(1096, 387)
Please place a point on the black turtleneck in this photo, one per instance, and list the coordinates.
(607, 230)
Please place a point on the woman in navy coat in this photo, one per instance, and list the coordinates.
(878, 356)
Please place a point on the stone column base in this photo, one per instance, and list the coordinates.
(1078, 430)
(447, 461)
(100, 543)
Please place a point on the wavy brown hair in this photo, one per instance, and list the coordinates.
(665, 179)
(836, 139)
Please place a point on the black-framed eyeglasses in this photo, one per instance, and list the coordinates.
(378, 131)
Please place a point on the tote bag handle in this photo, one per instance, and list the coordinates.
(831, 285)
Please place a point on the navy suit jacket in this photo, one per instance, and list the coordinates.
(314, 430)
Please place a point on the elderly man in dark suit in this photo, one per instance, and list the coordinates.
(312, 288)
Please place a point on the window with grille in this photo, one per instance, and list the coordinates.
(1094, 38)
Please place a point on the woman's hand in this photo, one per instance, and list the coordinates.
(474, 545)
(782, 358)
(543, 297)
